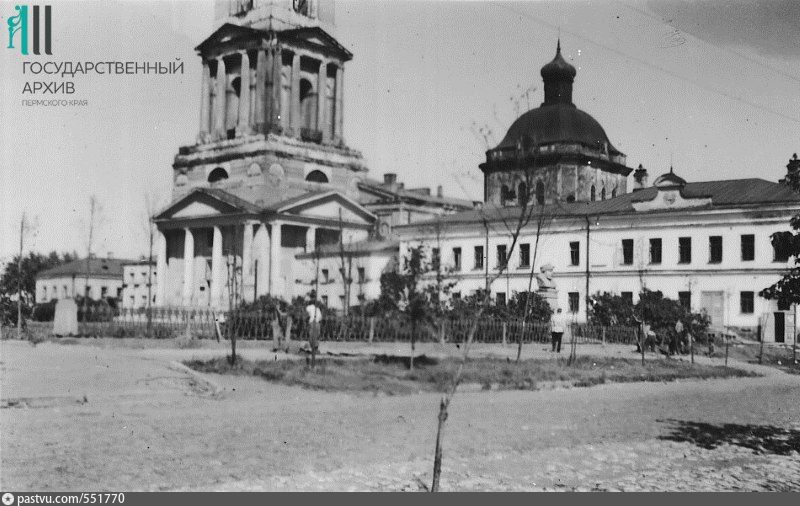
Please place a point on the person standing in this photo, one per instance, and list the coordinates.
(314, 319)
(677, 342)
(557, 329)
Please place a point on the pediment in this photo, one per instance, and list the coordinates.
(201, 203)
(670, 198)
(228, 34)
(316, 37)
(329, 206)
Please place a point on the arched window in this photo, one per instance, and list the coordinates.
(308, 104)
(316, 176)
(505, 194)
(540, 193)
(603, 194)
(613, 193)
(593, 195)
(522, 193)
(218, 174)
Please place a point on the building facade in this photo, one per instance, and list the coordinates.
(139, 282)
(99, 278)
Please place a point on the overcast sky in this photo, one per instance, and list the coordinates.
(713, 87)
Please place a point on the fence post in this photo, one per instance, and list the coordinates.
(505, 329)
(441, 332)
(603, 330)
(371, 329)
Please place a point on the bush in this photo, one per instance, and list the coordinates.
(44, 312)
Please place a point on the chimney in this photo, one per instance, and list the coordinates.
(639, 178)
(439, 191)
(389, 178)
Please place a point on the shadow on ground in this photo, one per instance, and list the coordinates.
(759, 438)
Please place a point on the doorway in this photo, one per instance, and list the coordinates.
(780, 326)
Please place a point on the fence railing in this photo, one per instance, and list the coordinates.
(162, 323)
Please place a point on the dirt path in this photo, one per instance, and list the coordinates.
(146, 425)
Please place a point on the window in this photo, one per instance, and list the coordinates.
(308, 104)
(684, 250)
(218, 174)
(613, 193)
(627, 252)
(748, 247)
(501, 298)
(506, 195)
(655, 251)
(627, 297)
(685, 300)
(574, 302)
(456, 295)
(479, 257)
(715, 249)
(457, 259)
(603, 194)
(325, 275)
(746, 302)
(501, 256)
(103, 291)
(362, 275)
(325, 300)
(540, 193)
(522, 194)
(524, 255)
(436, 257)
(593, 195)
(781, 246)
(574, 253)
(316, 176)
(341, 301)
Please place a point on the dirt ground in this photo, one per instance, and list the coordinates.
(107, 415)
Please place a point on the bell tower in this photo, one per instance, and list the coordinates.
(275, 14)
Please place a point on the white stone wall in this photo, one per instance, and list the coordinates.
(608, 273)
(63, 287)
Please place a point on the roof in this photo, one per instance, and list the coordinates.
(723, 194)
(98, 268)
(412, 195)
(352, 248)
(557, 123)
(558, 68)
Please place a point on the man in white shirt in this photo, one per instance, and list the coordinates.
(314, 318)
(557, 329)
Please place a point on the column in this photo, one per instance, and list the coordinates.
(337, 115)
(277, 83)
(295, 96)
(274, 257)
(247, 256)
(244, 95)
(221, 98)
(261, 91)
(161, 270)
(263, 249)
(311, 239)
(188, 267)
(322, 81)
(217, 268)
(205, 102)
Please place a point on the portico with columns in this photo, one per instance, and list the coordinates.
(288, 82)
(216, 250)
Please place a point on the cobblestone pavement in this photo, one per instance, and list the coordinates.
(80, 417)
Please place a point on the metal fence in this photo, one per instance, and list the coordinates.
(165, 323)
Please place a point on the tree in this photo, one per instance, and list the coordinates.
(19, 277)
(787, 289)
(94, 214)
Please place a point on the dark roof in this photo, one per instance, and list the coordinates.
(729, 193)
(98, 268)
(411, 195)
(669, 179)
(558, 68)
(557, 123)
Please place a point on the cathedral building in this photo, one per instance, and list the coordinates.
(270, 175)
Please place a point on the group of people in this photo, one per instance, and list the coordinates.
(677, 340)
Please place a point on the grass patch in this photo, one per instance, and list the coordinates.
(391, 375)
(775, 355)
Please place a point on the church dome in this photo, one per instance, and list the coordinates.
(557, 123)
(558, 68)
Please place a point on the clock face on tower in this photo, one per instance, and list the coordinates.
(300, 6)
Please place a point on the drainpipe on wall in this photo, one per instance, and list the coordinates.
(588, 273)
